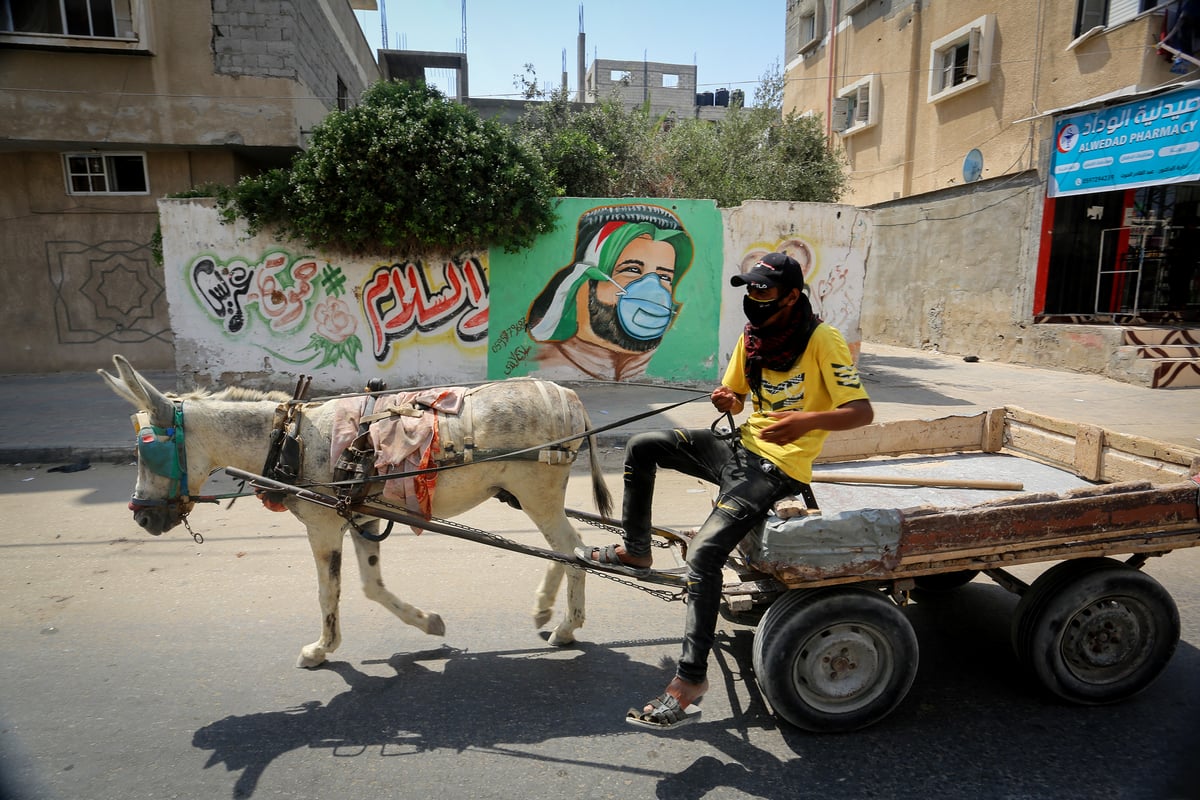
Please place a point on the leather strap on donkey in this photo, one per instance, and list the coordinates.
(356, 465)
(286, 451)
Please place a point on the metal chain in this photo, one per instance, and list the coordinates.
(661, 594)
(199, 539)
(613, 528)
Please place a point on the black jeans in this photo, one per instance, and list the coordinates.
(750, 485)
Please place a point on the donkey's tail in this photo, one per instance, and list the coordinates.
(600, 493)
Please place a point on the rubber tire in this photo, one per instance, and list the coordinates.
(1096, 631)
(943, 582)
(862, 626)
(1039, 593)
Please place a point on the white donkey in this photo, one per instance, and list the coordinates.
(233, 428)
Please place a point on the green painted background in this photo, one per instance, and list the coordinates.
(689, 348)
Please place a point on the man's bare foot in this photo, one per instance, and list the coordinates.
(685, 692)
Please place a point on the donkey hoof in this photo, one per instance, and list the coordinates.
(540, 618)
(311, 657)
(434, 625)
(561, 639)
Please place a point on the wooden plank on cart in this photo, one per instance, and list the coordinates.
(1121, 510)
(946, 435)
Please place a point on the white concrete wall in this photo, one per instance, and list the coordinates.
(257, 312)
(832, 243)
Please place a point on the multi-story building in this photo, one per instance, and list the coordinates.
(668, 88)
(108, 105)
(934, 99)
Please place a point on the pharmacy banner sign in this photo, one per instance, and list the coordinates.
(1142, 143)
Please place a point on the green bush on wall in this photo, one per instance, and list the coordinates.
(406, 172)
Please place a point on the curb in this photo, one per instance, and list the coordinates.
(66, 455)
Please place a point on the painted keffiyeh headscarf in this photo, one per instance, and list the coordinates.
(601, 237)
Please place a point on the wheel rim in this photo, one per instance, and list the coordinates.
(1105, 641)
(842, 667)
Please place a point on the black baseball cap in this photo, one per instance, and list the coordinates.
(774, 269)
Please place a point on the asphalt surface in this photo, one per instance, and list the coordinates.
(163, 667)
(71, 417)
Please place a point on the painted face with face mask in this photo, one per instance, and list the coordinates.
(639, 293)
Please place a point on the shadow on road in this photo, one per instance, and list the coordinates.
(972, 725)
(889, 380)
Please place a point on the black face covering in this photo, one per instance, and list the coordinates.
(778, 346)
(759, 311)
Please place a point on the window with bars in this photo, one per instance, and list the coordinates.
(343, 95)
(105, 19)
(106, 173)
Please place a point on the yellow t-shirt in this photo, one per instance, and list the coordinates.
(822, 379)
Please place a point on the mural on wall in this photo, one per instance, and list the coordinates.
(308, 312)
(398, 300)
(831, 247)
(106, 291)
(622, 290)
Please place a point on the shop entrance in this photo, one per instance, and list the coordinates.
(1124, 256)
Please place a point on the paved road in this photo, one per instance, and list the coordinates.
(158, 668)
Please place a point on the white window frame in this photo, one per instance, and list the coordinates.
(131, 34)
(99, 166)
(854, 6)
(861, 102)
(977, 36)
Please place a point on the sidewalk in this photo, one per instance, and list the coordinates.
(66, 417)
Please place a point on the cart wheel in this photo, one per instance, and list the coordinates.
(833, 660)
(942, 582)
(1095, 630)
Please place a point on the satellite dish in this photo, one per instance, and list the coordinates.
(973, 166)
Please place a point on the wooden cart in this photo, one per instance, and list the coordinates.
(834, 651)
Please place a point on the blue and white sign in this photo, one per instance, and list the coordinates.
(1143, 143)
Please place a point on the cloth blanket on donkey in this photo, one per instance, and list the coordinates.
(404, 441)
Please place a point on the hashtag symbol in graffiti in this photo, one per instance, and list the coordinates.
(333, 281)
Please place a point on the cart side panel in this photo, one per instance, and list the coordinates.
(1096, 453)
(903, 437)
(1092, 515)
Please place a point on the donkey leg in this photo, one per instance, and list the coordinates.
(562, 538)
(373, 588)
(326, 543)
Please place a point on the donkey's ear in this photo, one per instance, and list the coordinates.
(119, 388)
(145, 396)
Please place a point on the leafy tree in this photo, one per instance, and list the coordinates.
(527, 83)
(590, 150)
(769, 92)
(605, 150)
(407, 171)
(753, 154)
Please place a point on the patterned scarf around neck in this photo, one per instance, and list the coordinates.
(777, 347)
